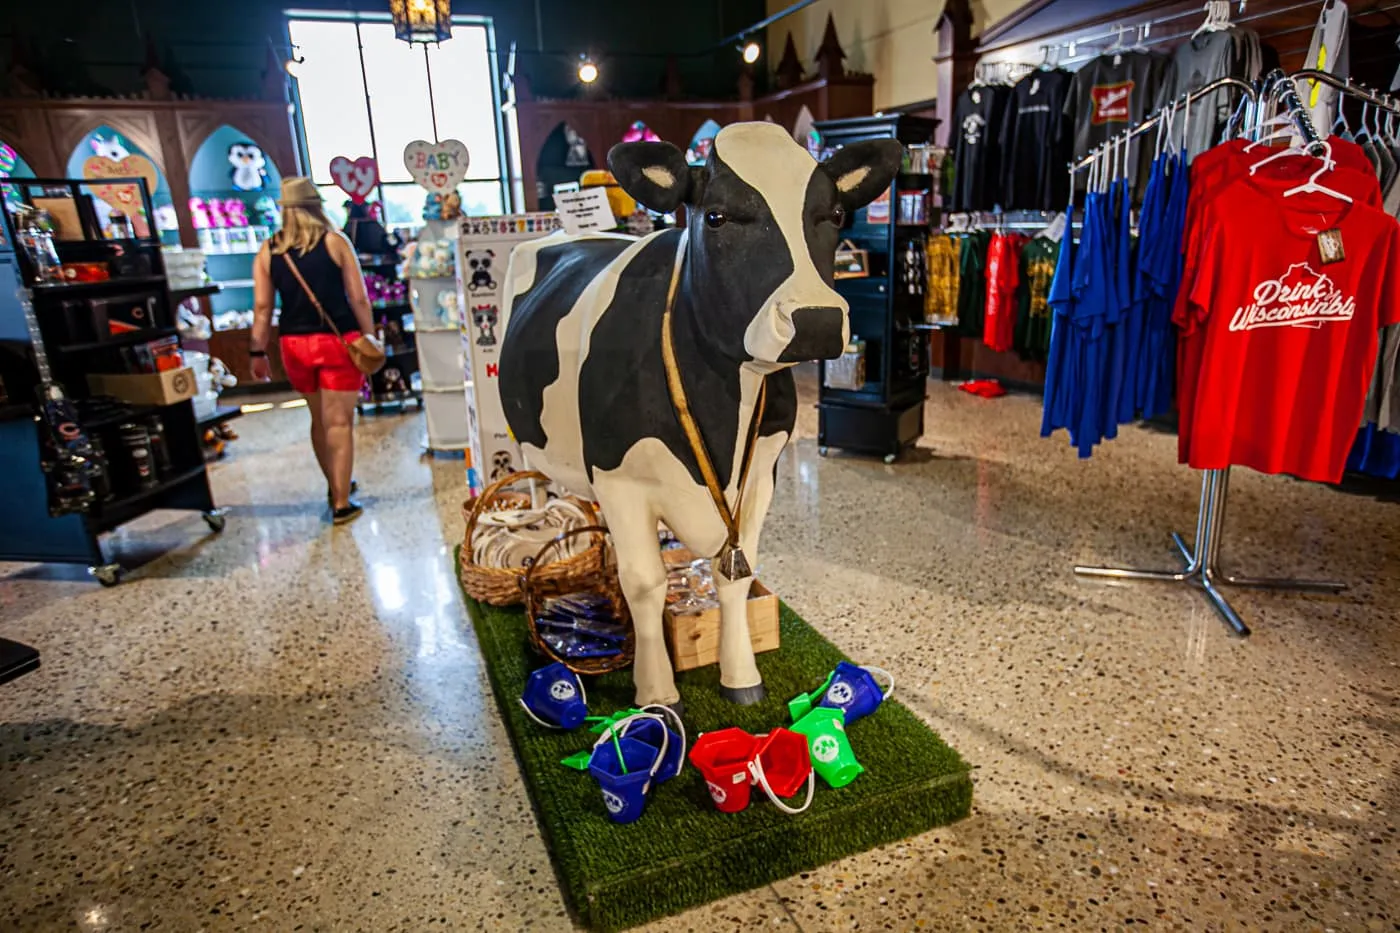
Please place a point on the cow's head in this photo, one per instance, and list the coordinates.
(764, 223)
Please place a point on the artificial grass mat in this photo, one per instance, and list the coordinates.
(683, 852)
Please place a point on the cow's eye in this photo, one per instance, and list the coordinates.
(716, 218)
(838, 215)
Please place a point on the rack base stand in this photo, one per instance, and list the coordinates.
(1202, 569)
(16, 659)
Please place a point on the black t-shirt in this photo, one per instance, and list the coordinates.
(977, 163)
(1036, 141)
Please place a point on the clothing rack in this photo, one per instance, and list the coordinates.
(1144, 29)
(1016, 221)
(1202, 569)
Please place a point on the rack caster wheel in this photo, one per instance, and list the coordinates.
(107, 574)
(822, 451)
(216, 520)
(891, 458)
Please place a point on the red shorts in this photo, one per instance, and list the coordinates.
(320, 361)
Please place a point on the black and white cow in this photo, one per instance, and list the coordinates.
(583, 381)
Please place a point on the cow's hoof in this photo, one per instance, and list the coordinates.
(744, 696)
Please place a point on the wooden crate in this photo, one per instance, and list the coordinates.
(693, 638)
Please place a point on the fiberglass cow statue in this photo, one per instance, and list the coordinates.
(654, 374)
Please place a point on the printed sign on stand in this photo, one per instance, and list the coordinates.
(483, 255)
(439, 167)
(358, 178)
(586, 211)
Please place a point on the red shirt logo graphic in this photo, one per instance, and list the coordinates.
(1112, 102)
(1298, 298)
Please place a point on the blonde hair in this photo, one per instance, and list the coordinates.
(303, 226)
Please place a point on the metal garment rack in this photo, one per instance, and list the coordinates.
(1202, 569)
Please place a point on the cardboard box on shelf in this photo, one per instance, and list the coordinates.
(167, 388)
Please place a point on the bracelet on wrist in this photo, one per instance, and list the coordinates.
(257, 353)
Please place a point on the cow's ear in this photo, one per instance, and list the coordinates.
(656, 174)
(862, 170)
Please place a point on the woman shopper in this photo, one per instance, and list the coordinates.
(317, 362)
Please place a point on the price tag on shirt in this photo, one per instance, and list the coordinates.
(1329, 244)
(584, 211)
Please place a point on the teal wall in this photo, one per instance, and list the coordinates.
(218, 48)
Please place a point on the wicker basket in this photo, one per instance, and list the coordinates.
(501, 586)
(539, 584)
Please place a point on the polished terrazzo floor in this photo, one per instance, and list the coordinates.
(287, 727)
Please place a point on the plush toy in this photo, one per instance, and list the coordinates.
(433, 259)
(479, 261)
(249, 167)
(217, 217)
(113, 148)
(269, 214)
(236, 212)
(451, 206)
(447, 310)
(199, 214)
(432, 206)
(717, 347)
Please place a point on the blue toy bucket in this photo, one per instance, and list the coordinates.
(653, 729)
(854, 691)
(554, 697)
(623, 780)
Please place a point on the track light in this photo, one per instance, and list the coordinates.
(751, 51)
(587, 71)
(291, 65)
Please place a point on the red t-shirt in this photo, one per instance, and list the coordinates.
(1212, 172)
(1003, 276)
(1288, 344)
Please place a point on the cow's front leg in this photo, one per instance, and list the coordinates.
(740, 681)
(643, 578)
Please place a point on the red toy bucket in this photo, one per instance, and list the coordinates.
(723, 758)
(781, 766)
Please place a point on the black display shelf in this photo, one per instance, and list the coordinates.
(74, 288)
(178, 295)
(16, 660)
(129, 339)
(29, 533)
(885, 415)
(219, 415)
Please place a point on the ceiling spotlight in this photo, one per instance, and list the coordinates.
(751, 52)
(292, 64)
(587, 71)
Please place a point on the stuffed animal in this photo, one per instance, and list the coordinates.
(236, 212)
(112, 148)
(479, 261)
(484, 317)
(451, 206)
(432, 206)
(216, 213)
(447, 310)
(433, 259)
(249, 167)
(269, 214)
(199, 214)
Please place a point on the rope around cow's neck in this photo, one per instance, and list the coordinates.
(730, 560)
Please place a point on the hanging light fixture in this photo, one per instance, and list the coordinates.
(751, 51)
(587, 70)
(421, 20)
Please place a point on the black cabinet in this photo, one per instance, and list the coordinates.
(884, 414)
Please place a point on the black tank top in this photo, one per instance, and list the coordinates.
(299, 315)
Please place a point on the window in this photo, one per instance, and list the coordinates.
(362, 92)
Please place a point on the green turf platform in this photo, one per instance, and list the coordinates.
(682, 852)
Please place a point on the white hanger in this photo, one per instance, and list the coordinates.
(1312, 187)
(1296, 150)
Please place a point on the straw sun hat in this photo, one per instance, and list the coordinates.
(299, 192)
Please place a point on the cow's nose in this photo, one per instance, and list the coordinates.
(817, 335)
